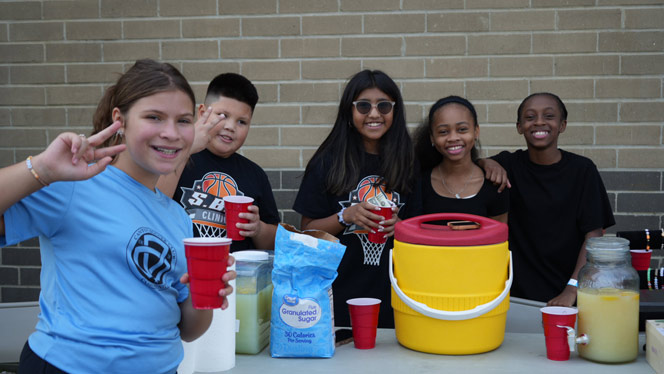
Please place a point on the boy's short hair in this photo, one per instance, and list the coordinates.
(233, 86)
(561, 105)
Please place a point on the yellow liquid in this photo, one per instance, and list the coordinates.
(610, 317)
(253, 311)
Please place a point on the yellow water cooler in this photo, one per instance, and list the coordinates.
(450, 288)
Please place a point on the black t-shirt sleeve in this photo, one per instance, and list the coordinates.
(503, 158)
(267, 206)
(596, 212)
(312, 200)
(413, 206)
(500, 203)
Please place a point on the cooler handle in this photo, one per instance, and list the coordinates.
(450, 315)
(422, 220)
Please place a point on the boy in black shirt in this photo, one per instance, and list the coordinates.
(557, 201)
(217, 170)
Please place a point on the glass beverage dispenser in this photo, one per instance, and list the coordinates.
(608, 302)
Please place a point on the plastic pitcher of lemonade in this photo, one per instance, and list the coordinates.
(253, 299)
(608, 302)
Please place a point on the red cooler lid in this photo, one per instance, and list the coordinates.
(419, 230)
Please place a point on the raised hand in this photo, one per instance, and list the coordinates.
(75, 157)
(205, 128)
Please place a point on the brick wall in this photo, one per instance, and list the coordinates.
(605, 58)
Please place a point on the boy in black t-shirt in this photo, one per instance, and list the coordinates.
(557, 202)
(216, 170)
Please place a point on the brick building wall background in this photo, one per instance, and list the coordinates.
(605, 58)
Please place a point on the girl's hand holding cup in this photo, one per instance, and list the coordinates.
(369, 216)
(388, 224)
(385, 218)
(228, 276)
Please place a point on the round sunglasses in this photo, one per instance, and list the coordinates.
(364, 107)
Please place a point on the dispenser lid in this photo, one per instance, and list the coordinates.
(254, 265)
(250, 255)
(607, 243)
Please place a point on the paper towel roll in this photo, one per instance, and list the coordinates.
(215, 350)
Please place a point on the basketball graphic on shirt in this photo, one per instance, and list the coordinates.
(373, 190)
(204, 202)
(219, 184)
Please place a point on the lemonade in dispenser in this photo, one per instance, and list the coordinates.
(608, 302)
(254, 300)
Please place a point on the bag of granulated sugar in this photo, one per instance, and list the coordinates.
(305, 265)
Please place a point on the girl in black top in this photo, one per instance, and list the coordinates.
(446, 148)
(366, 159)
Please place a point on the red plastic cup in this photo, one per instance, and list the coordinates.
(379, 237)
(640, 258)
(364, 320)
(557, 348)
(234, 205)
(207, 259)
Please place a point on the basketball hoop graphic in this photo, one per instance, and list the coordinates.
(204, 203)
(373, 190)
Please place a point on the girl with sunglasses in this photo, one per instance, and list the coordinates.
(446, 148)
(367, 160)
(114, 297)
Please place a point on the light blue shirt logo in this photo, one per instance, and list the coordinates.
(151, 257)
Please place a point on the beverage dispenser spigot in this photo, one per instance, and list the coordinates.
(572, 340)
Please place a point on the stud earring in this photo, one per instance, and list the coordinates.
(118, 135)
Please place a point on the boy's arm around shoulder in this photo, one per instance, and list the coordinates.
(495, 173)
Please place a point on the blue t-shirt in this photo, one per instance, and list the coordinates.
(112, 256)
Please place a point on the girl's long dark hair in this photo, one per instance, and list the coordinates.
(345, 149)
(427, 155)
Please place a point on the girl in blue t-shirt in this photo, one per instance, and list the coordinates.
(446, 148)
(114, 297)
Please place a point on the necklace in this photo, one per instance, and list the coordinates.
(456, 194)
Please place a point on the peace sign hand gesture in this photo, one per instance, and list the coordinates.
(72, 157)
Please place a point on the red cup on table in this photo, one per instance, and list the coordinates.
(379, 237)
(234, 205)
(207, 260)
(640, 258)
(364, 321)
(554, 320)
